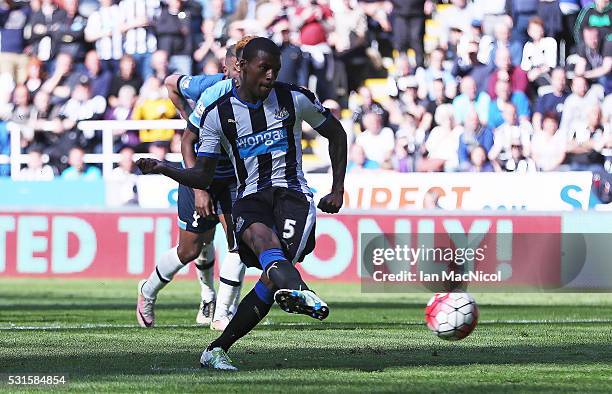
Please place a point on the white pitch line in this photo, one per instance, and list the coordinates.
(94, 326)
(187, 369)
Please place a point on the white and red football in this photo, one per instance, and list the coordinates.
(451, 316)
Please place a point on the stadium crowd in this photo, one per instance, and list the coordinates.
(494, 85)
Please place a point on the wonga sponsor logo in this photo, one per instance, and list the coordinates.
(263, 142)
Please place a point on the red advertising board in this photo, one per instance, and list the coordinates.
(126, 244)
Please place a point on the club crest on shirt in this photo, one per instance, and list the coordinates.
(281, 114)
(199, 109)
(239, 223)
(319, 106)
(185, 82)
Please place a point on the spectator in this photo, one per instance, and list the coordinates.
(521, 11)
(569, 13)
(595, 62)
(511, 130)
(70, 34)
(517, 162)
(442, 146)
(548, 145)
(294, 69)
(435, 70)
(576, 102)
(468, 64)
(159, 150)
(358, 160)
(20, 112)
(99, 79)
(409, 27)
(460, 13)
(377, 141)
(315, 19)
(539, 54)
(368, 104)
(504, 97)
(104, 30)
(492, 13)
(124, 178)
(173, 29)
(159, 65)
(139, 33)
(36, 169)
(82, 106)
(553, 101)
(127, 77)
(13, 19)
(41, 24)
(403, 159)
(122, 110)
(409, 104)
(44, 120)
(35, 75)
(478, 161)
(506, 71)
(552, 17)
(502, 40)
(469, 98)
(153, 104)
(440, 98)
(431, 199)
(598, 14)
(350, 41)
(215, 30)
(473, 134)
(586, 142)
(62, 80)
(78, 170)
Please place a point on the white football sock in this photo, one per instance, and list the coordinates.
(167, 266)
(205, 264)
(230, 283)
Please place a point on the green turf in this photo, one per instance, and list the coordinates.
(524, 343)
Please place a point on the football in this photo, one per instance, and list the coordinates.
(451, 316)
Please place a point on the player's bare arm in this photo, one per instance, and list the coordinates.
(171, 83)
(199, 176)
(203, 202)
(333, 131)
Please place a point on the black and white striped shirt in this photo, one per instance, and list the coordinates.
(263, 140)
(141, 39)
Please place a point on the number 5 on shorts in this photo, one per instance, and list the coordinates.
(289, 229)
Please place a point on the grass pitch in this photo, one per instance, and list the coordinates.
(86, 329)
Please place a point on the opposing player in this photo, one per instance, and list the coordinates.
(197, 227)
(259, 125)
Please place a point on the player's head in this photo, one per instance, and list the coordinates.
(259, 66)
(231, 68)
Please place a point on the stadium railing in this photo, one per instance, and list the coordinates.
(107, 158)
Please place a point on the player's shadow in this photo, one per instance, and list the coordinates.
(363, 358)
(120, 305)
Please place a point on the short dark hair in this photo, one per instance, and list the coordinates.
(231, 51)
(252, 49)
(550, 115)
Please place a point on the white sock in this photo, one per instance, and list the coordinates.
(167, 266)
(205, 264)
(230, 283)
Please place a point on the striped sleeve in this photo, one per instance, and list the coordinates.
(210, 134)
(310, 108)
